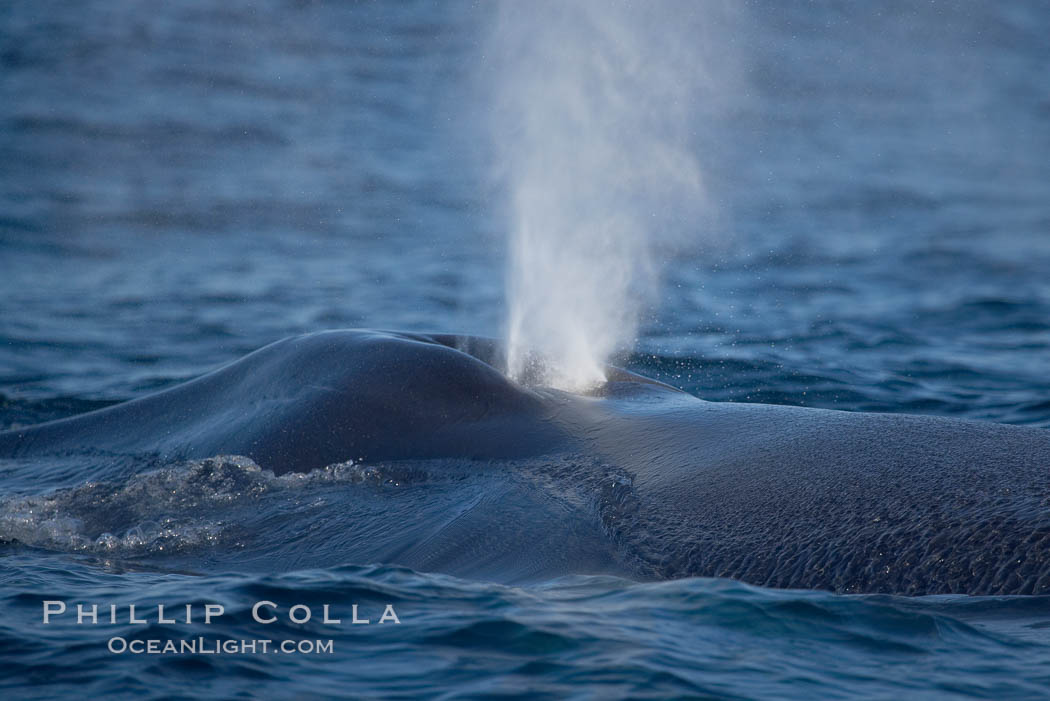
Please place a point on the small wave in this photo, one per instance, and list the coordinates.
(172, 509)
(614, 638)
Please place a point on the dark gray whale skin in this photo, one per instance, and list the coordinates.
(314, 400)
(771, 495)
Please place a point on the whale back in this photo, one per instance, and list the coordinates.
(309, 401)
(855, 502)
(634, 478)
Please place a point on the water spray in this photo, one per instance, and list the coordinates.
(592, 125)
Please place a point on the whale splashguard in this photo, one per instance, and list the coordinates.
(419, 451)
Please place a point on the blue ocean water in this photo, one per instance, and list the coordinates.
(182, 184)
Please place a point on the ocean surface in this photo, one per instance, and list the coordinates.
(182, 183)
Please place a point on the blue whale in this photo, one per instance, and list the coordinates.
(662, 484)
